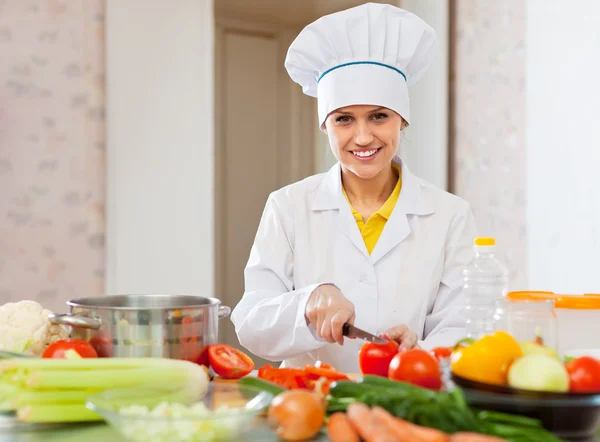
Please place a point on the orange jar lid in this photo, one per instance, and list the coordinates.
(531, 295)
(577, 302)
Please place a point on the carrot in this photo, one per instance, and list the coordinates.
(465, 436)
(430, 434)
(402, 429)
(405, 430)
(367, 426)
(339, 429)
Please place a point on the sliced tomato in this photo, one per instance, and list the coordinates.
(202, 357)
(229, 362)
(57, 349)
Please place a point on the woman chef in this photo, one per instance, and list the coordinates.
(367, 242)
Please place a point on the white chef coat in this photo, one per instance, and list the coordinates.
(308, 236)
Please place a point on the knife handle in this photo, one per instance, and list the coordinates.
(346, 329)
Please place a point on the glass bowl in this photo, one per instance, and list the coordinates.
(226, 412)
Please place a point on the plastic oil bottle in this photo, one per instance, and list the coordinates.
(485, 281)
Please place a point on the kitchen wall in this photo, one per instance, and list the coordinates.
(160, 144)
(563, 145)
(489, 119)
(52, 144)
(52, 150)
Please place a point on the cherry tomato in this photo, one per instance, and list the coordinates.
(584, 375)
(441, 352)
(229, 362)
(57, 349)
(375, 358)
(417, 367)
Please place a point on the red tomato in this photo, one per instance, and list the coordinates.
(584, 375)
(417, 367)
(102, 345)
(202, 358)
(57, 349)
(375, 358)
(229, 362)
(442, 352)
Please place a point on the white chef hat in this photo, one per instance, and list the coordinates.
(368, 54)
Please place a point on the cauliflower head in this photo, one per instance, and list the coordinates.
(25, 327)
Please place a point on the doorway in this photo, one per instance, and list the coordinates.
(266, 133)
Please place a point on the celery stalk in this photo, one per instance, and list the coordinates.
(33, 397)
(56, 413)
(7, 392)
(88, 363)
(101, 379)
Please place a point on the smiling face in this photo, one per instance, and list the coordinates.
(364, 139)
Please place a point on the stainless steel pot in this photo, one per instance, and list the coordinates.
(170, 326)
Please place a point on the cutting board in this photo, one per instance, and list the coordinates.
(234, 398)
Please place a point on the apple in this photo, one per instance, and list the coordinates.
(538, 372)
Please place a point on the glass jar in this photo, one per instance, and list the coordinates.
(527, 320)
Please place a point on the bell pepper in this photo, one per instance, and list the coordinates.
(486, 360)
(318, 377)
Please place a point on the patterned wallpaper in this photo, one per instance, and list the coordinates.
(489, 123)
(52, 140)
(51, 150)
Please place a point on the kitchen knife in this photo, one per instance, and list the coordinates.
(353, 332)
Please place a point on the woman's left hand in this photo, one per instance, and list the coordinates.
(405, 338)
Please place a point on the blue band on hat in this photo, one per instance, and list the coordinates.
(362, 62)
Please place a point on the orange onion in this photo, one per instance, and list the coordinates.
(297, 415)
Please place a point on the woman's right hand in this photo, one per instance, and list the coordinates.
(328, 310)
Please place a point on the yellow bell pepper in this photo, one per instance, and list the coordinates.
(486, 360)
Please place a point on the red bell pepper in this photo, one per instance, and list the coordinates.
(312, 377)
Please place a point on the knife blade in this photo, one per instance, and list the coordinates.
(354, 332)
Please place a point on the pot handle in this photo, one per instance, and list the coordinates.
(75, 321)
(224, 311)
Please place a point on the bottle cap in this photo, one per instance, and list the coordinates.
(485, 241)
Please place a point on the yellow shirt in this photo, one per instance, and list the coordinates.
(371, 230)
